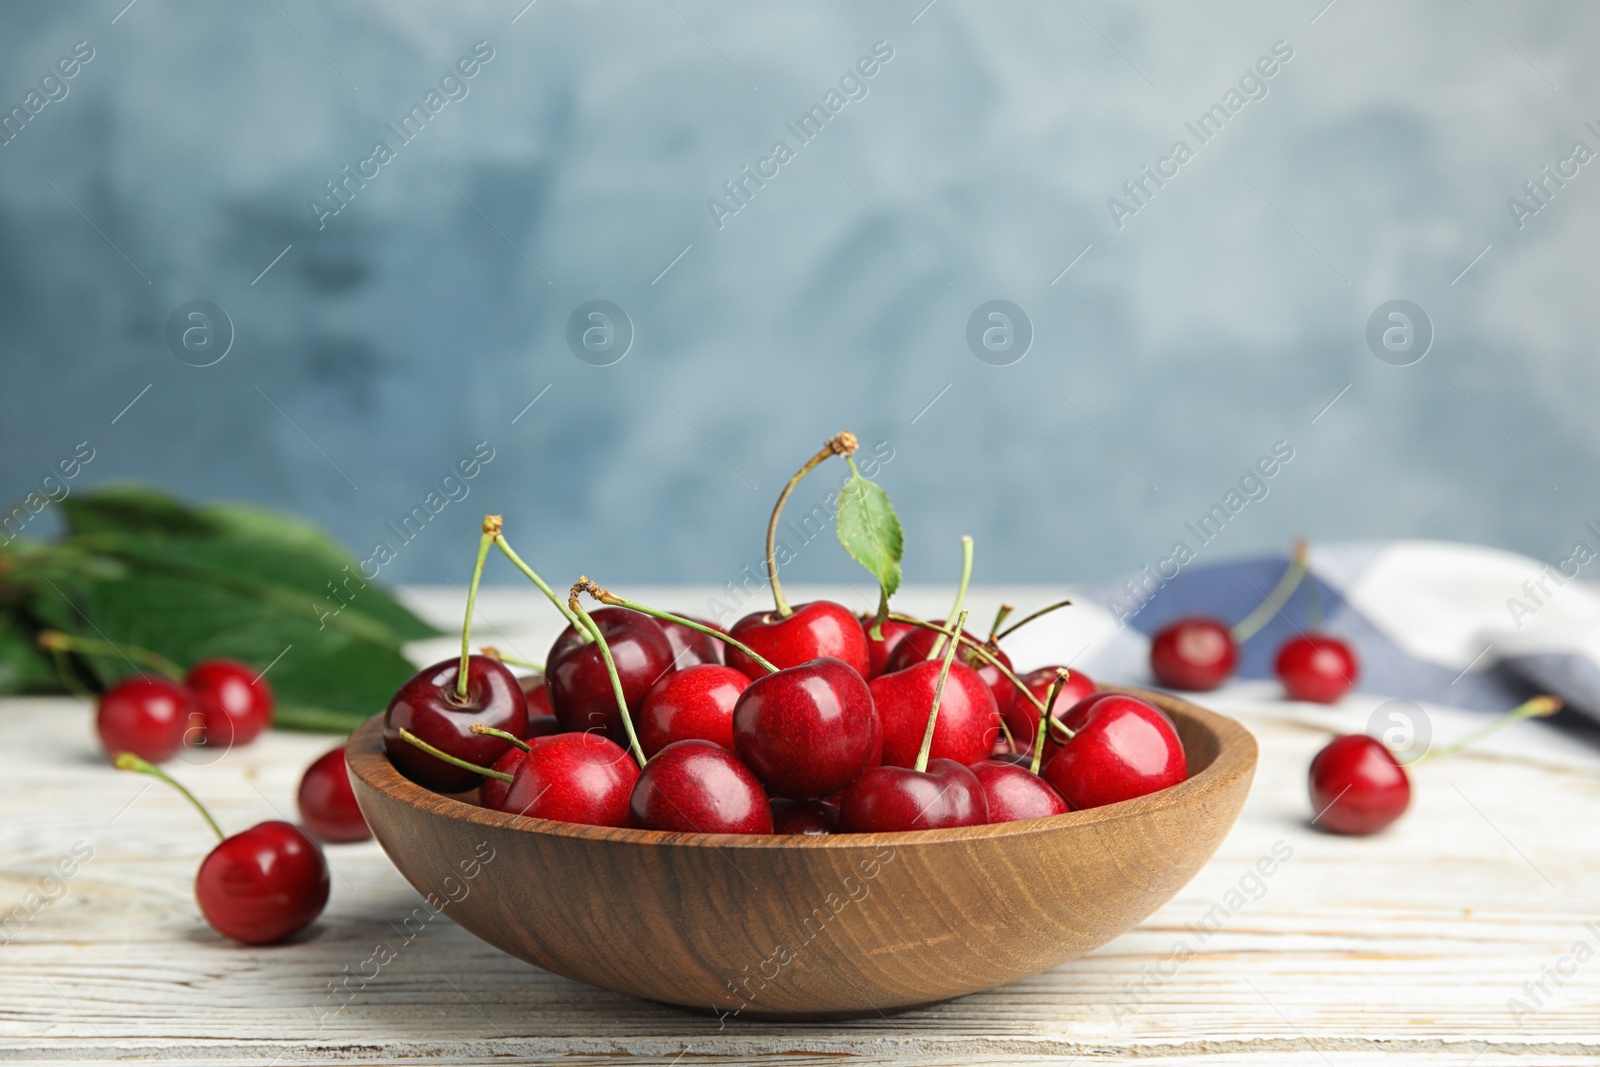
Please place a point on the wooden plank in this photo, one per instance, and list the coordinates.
(1403, 947)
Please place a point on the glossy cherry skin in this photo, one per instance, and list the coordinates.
(1015, 793)
(537, 694)
(1022, 718)
(1319, 668)
(697, 787)
(426, 705)
(146, 716)
(804, 817)
(574, 777)
(1123, 748)
(235, 702)
(328, 804)
(1357, 786)
(492, 793)
(696, 702)
(807, 731)
(815, 630)
(691, 647)
(263, 885)
(878, 650)
(1195, 653)
(576, 676)
(914, 648)
(967, 724)
(887, 799)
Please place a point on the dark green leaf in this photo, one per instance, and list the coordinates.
(24, 667)
(870, 531)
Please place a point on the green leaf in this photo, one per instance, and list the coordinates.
(870, 531)
(24, 667)
(129, 509)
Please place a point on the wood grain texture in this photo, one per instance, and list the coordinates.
(1399, 949)
(812, 927)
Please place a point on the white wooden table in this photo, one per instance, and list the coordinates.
(1405, 948)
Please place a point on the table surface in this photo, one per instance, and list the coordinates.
(1467, 934)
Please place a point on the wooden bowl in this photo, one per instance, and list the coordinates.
(809, 927)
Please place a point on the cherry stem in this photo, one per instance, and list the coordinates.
(977, 650)
(515, 661)
(938, 694)
(610, 599)
(1313, 602)
(841, 444)
(1287, 583)
(580, 586)
(961, 596)
(1537, 708)
(127, 761)
(491, 530)
(1047, 715)
(489, 731)
(1020, 623)
(56, 641)
(454, 761)
(516, 561)
(999, 618)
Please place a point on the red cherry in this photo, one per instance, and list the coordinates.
(1015, 793)
(699, 787)
(878, 650)
(492, 793)
(575, 777)
(328, 804)
(815, 630)
(691, 647)
(426, 705)
(887, 799)
(1194, 652)
(536, 693)
(146, 716)
(1022, 718)
(575, 672)
(263, 885)
(235, 701)
(967, 724)
(807, 731)
(1123, 748)
(804, 816)
(1317, 667)
(914, 648)
(696, 702)
(1357, 786)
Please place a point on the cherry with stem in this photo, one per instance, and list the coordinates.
(1047, 716)
(977, 650)
(610, 599)
(841, 444)
(611, 665)
(491, 531)
(944, 676)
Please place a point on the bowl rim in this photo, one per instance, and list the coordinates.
(365, 759)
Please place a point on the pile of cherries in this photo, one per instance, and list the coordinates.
(1200, 652)
(800, 720)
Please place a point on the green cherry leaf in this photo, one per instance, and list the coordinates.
(870, 531)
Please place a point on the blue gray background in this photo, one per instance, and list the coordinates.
(1224, 316)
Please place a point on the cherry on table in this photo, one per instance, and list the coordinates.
(257, 887)
(1014, 792)
(695, 702)
(1195, 653)
(327, 803)
(699, 787)
(1357, 786)
(1317, 667)
(807, 731)
(820, 629)
(235, 701)
(148, 717)
(428, 706)
(968, 721)
(1123, 748)
(579, 685)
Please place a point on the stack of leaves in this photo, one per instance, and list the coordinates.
(141, 570)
